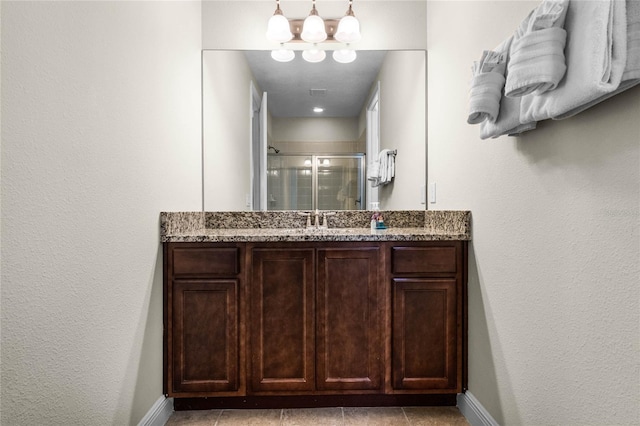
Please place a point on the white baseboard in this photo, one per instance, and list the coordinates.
(474, 412)
(159, 413)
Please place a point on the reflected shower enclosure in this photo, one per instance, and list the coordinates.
(309, 182)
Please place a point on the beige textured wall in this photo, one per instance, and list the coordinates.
(100, 133)
(314, 129)
(316, 135)
(555, 257)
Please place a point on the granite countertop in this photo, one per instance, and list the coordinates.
(284, 226)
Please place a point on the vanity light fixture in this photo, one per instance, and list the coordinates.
(349, 27)
(278, 28)
(313, 28)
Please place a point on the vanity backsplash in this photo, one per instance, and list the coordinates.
(452, 222)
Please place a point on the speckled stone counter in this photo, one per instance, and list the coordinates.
(351, 225)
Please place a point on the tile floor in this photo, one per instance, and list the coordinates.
(333, 416)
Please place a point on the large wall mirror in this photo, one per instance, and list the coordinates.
(300, 136)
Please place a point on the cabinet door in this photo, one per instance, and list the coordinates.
(349, 350)
(424, 347)
(205, 335)
(282, 320)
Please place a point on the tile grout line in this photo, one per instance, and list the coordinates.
(218, 418)
(405, 415)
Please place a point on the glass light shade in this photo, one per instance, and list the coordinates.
(344, 56)
(313, 30)
(283, 55)
(314, 55)
(348, 30)
(278, 29)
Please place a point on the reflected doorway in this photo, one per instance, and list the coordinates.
(373, 137)
(258, 149)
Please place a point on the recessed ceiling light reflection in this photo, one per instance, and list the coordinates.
(318, 109)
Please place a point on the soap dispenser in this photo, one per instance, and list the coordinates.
(375, 207)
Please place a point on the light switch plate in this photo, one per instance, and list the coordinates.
(432, 192)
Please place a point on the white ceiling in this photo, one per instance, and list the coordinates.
(288, 84)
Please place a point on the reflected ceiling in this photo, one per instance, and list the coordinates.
(295, 87)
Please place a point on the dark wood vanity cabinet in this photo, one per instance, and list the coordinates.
(202, 285)
(428, 316)
(281, 319)
(349, 351)
(316, 319)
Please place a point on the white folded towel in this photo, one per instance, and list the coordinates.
(549, 14)
(536, 64)
(508, 120)
(382, 171)
(382, 159)
(391, 165)
(386, 159)
(595, 53)
(632, 68)
(536, 58)
(631, 75)
(484, 97)
(486, 87)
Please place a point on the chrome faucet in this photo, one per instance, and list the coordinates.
(316, 219)
(316, 222)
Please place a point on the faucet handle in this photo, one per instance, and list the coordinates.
(324, 218)
(308, 215)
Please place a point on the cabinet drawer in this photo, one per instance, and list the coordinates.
(417, 260)
(205, 261)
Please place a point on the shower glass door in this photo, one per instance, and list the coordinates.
(309, 182)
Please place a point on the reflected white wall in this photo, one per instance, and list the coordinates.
(227, 130)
